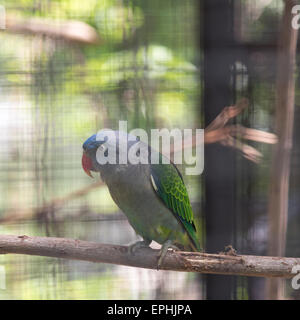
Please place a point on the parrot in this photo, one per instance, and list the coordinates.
(153, 197)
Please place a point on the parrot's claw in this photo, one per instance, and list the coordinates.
(137, 245)
(163, 251)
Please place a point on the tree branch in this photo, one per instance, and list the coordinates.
(53, 205)
(228, 264)
(73, 31)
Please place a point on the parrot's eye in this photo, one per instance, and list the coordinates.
(104, 149)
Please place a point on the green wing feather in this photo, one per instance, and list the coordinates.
(169, 186)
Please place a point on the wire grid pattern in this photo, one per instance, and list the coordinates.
(55, 93)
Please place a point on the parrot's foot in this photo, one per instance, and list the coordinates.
(163, 251)
(137, 245)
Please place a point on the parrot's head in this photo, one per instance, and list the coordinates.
(104, 140)
(89, 153)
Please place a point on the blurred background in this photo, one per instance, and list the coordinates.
(69, 68)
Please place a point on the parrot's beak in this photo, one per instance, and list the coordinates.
(87, 164)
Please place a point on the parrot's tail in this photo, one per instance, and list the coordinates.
(195, 245)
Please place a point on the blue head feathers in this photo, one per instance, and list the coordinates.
(91, 143)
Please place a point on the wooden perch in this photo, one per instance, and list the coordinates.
(227, 264)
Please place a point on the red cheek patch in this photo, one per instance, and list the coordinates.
(87, 164)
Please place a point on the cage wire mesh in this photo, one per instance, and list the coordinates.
(69, 68)
(56, 90)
